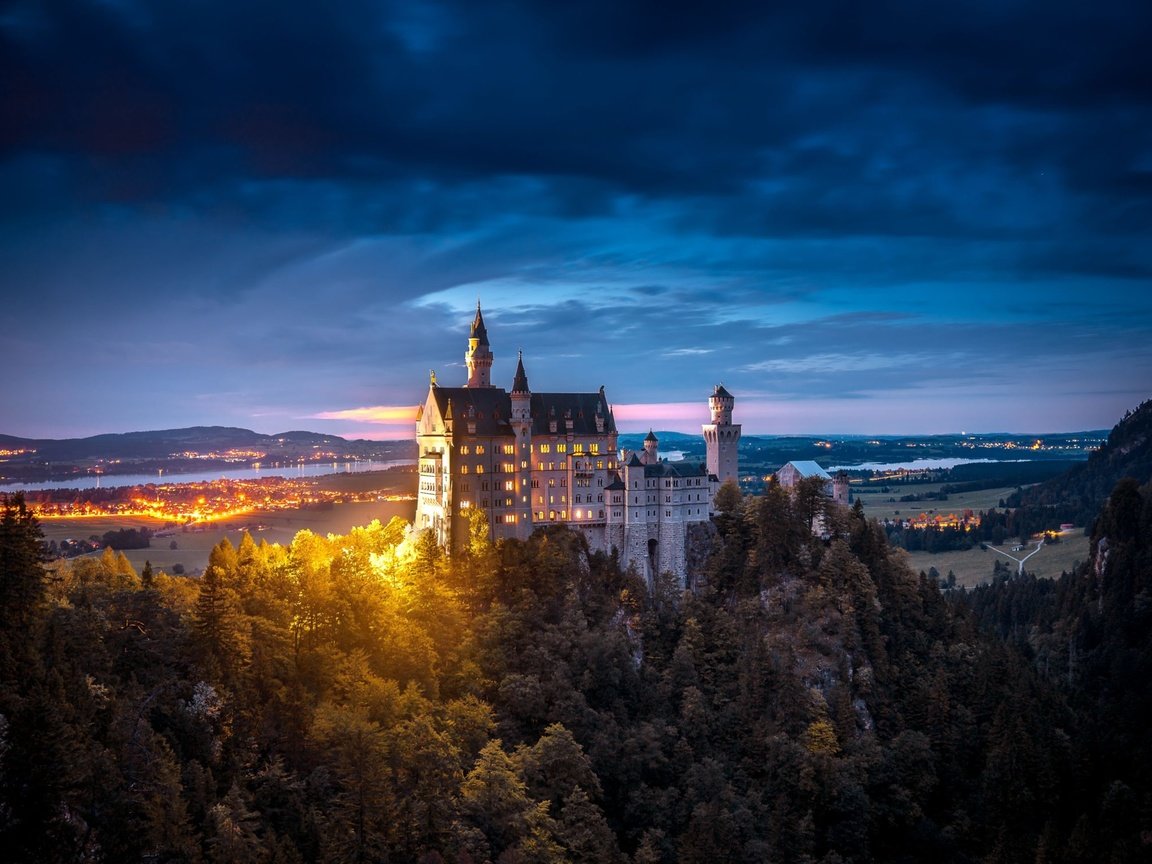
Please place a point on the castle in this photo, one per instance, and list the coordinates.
(528, 459)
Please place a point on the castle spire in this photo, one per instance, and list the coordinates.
(651, 448)
(479, 331)
(478, 357)
(520, 382)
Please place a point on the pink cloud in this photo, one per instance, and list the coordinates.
(392, 415)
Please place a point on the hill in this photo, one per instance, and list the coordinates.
(1078, 494)
(1089, 633)
(177, 450)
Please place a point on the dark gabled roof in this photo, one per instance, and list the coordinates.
(479, 331)
(616, 483)
(490, 407)
(676, 469)
(720, 391)
(651, 436)
(520, 381)
(581, 408)
(634, 461)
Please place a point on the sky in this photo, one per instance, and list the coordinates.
(861, 218)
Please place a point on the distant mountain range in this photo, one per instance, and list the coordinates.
(180, 450)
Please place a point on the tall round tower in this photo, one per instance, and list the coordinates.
(722, 436)
(478, 357)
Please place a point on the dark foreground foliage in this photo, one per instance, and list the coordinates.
(363, 698)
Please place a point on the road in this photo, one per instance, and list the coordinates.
(1020, 561)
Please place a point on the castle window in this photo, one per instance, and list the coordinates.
(463, 469)
(540, 467)
(480, 447)
(509, 518)
(463, 449)
(509, 468)
(479, 469)
(535, 484)
(594, 447)
(523, 463)
(563, 514)
(484, 485)
(551, 514)
(600, 498)
(561, 448)
(600, 464)
(601, 514)
(577, 448)
(552, 481)
(544, 448)
(509, 485)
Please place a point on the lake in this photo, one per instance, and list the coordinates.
(292, 471)
(915, 464)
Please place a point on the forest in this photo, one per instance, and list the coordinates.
(367, 698)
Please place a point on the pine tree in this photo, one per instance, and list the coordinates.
(22, 586)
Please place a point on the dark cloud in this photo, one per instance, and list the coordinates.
(770, 186)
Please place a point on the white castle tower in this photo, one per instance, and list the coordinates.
(478, 357)
(721, 436)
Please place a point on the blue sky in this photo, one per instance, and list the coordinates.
(878, 218)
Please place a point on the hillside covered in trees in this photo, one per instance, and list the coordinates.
(1080, 493)
(365, 698)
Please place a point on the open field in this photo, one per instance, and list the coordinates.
(974, 566)
(877, 505)
(193, 546)
(971, 566)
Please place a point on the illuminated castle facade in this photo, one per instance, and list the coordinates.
(528, 459)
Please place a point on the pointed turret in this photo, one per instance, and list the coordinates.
(479, 331)
(651, 448)
(478, 357)
(520, 381)
(521, 397)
